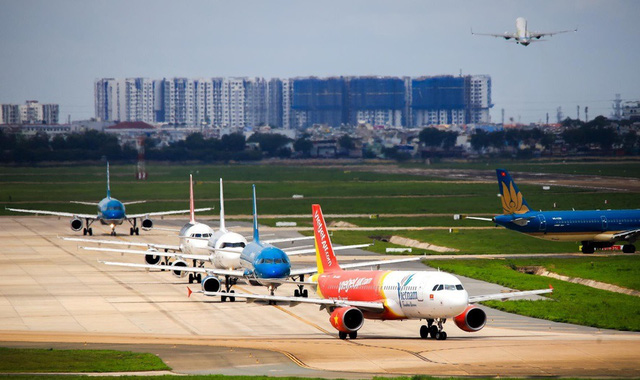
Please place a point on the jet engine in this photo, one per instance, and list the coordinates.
(211, 284)
(151, 259)
(472, 319)
(147, 223)
(179, 263)
(347, 319)
(76, 224)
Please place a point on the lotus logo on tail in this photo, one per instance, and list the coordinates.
(512, 200)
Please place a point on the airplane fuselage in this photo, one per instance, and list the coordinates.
(591, 225)
(522, 34)
(111, 212)
(405, 294)
(265, 261)
(194, 238)
(225, 249)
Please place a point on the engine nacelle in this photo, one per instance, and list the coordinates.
(147, 223)
(151, 259)
(472, 319)
(76, 224)
(211, 284)
(177, 272)
(347, 319)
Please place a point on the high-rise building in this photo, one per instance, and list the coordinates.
(256, 95)
(31, 112)
(319, 101)
(233, 103)
(376, 100)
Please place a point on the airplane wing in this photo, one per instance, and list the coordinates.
(504, 296)
(284, 240)
(183, 256)
(56, 213)
(84, 203)
(127, 243)
(162, 213)
(626, 235)
(208, 271)
(505, 35)
(538, 35)
(313, 250)
(310, 270)
(293, 301)
(133, 202)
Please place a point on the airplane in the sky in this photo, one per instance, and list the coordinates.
(594, 228)
(522, 35)
(257, 262)
(111, 212)
(351, 296)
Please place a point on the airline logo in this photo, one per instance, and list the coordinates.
(512, 200)
(321, 237)
(353, 283)
(405, 295)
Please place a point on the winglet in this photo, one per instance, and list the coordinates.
(191, 208)
(513, 201)
(256, 234)
(325, 257)
(189, 292)
(551, 287)
(108, 184)
(222, 225)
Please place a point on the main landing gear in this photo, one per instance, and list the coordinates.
(228, 283)
(87, 229)
(629, 248)
(351, 335)
(196, 277)
(134, 230)
(433, 329)
(301, 291)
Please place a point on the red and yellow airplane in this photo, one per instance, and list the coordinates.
(350, 296)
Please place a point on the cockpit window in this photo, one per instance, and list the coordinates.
(440, 287)
(450, 287)
(459, 287)
(435, 287)
(232, 245)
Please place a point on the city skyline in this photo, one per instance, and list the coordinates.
(54, 51)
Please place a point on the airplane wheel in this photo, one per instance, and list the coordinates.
(137, 230)
(424, 332)
(296, 293)
(588, 248)
(131, 231)
(433, 330)
(342, 335)
(232, 299)
(84, 231)
(629, 248)
(190, 278)
(90, 231)
(438, 336)
(443, 335)
(353, 335)
(223, 298)
(199, 278)
(113, 233)
(305, 293)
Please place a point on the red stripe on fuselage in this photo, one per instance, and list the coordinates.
(353, 285)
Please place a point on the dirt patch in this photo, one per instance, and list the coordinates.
(341, 223)
(542, 271)
(399, 240)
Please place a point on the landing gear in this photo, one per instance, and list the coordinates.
(629, 248)
(197, 278)
(134, 230)
(344, 335)
(433, 329)
(301, 291)
(228, 283)
(87, 227)
(588, 247)
(113, 232)
(353, 335)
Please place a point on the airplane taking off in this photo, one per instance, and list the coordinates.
(522, 35)
(351, 296)
(111, 212)
(263, 263)
(594, 228)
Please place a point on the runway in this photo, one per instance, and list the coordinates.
(55, 295)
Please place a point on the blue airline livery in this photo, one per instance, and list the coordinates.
(111, 212)
(594, 228)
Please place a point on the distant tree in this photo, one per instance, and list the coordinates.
(270, 142)
(436, 138)
(346, 142)
(303, 145)
(234, 142)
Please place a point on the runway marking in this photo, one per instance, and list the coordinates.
(121, 283)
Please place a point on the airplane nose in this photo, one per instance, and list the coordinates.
(273, 270)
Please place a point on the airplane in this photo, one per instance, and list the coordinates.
(594, 228)
(522, 35)
(258, 262)
(351, 296)
(111, 212)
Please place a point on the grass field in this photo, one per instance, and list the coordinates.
(571, 303)
(15, 360)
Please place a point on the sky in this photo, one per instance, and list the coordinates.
(53, 50)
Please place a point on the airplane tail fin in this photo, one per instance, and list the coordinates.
(512, 200)
(325, 258)
(256, 234)
(108, 184)
(222, 225)
(192, 213)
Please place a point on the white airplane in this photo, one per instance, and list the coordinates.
(522, 35)
(350, 296)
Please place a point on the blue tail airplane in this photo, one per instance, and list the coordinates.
(111, 212)
(594, 228)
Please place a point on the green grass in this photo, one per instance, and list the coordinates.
(18, 360)
(570, 303)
